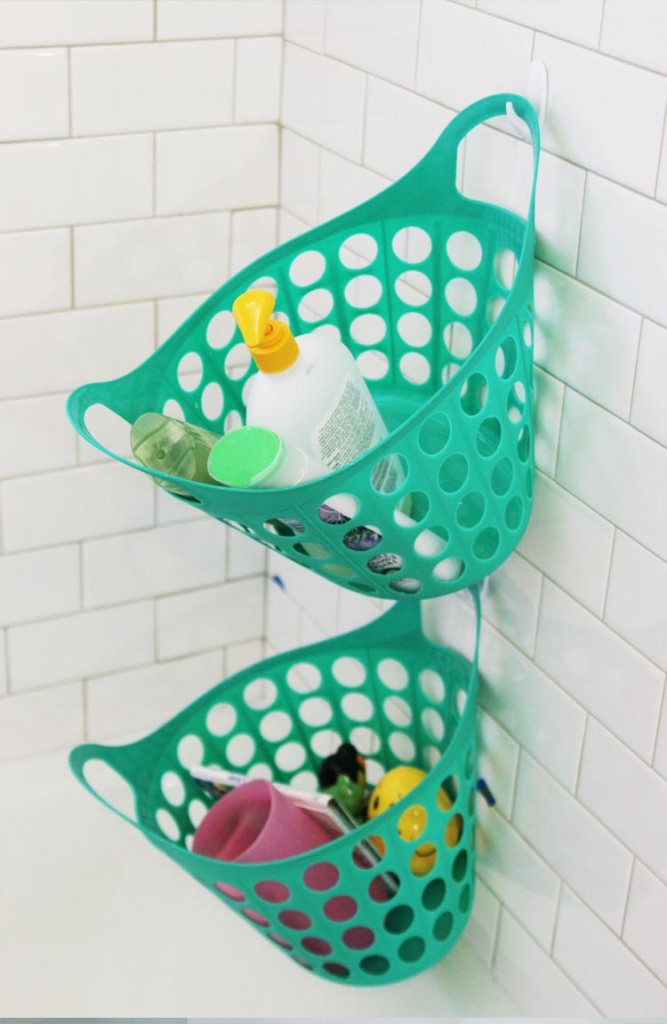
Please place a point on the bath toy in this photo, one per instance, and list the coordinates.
(396, 785)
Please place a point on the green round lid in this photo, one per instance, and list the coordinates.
(245, 456)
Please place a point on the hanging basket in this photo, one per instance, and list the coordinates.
(432, 293)
(335, 911)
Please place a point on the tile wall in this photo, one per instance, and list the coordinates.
(572, 892)
(139, 167)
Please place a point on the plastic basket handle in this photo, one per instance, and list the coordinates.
(439, 165)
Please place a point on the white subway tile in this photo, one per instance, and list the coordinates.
(599, 669)
(574, 324)
(142, 699)
(38, 584)
(57, 351)
(245, 556)
(451, 42)
(619, 472)
(660, 759)
(254, 233)
(35, 436)
(579, 849)
(151, 87)
(516, 875)
(661, 189)
(88, 643)
(624, 247)
(592, 116)
(210, 617)
(644, 930)
(534, 711)
(3, 664)
(400, 128)
(290, 226)
(533, 978)
(72, 22)
(299, 176)
(344, 185)
(76, 181)
(355, 610)
(569, 543)
(649, 409)
(169, 509)
(73, 504)
(148, 258)
(35, 272)
(216, 168)
(310, 632)
(31, 723)
(304, 23)
(626, 795)
(184, 19)
(512, 601)
(482, 927)
(281, 613)
(568, 19)
(637, 34)
(257, 80)
(385, 46)
(637, 598)
(498, 169)
(498, 760)
(152, 562)
(37, 83)
(240, 656)
(171, 313)
(323, 100)
(317, 596)
(547, 415)
(606, 971)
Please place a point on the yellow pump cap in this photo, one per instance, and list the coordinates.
(271, 343)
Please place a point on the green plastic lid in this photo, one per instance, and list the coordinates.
(246, 457)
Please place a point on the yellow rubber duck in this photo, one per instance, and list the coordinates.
(396, 784)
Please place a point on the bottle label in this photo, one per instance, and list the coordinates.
(350, 427)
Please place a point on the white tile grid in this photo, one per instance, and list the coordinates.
(594, 562)
(94, 561)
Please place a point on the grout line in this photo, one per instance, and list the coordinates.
(155, 21)
(599, 42)
(627, 899)
(69, 92)
(662, 158)
(552, 943)
(581, 228)
(603, 616)
(662, 713)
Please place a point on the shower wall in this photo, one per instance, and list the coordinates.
(572, 866)
(138, 170)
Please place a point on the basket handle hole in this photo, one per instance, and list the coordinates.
(109, 429)
(111, 787)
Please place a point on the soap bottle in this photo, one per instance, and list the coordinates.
(174, 447)
(308, 389)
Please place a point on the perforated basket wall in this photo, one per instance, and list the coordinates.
(402, 700)
(432, 292)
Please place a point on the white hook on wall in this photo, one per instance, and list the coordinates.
(536, 91)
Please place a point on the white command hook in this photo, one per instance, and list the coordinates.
(536, 92)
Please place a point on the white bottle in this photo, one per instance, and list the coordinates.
(308, 390)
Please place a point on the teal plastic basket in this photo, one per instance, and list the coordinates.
(432, 292)
(402, 699)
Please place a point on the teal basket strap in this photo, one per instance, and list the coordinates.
(437, 169)
(127, 761)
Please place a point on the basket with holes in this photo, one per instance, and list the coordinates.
(432, 292)
(368, 907)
